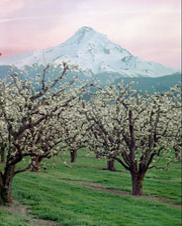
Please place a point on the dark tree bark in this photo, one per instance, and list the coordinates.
(2, 150)
(137, 176)
(6, 184)
(177, 153)
(36, 164)
(110, 165)
(73, 154)
(137, 187)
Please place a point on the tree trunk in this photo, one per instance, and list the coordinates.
(2, 150)
(177, 153)
(36, 164)
(6, 185)
(110, 165)
(73, 154)
(137, 184)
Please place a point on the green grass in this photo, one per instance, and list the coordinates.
(58, 194)
(9, 219)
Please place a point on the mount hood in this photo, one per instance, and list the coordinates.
(94, 53)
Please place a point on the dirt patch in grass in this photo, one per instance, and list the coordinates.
(100, 187)
(124, 193)
(23, 211)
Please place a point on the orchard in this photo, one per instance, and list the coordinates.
(39, 120)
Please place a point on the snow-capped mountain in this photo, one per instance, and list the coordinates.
(94, 54)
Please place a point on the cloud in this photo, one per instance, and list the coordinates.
(25, 18)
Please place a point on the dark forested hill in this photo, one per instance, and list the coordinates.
(150, 85)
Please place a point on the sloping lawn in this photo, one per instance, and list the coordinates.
(84, 194)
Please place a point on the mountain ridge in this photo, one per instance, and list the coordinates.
(94, 53)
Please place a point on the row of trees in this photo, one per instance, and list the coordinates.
(31, 121)
(134, 130)
(39, 120)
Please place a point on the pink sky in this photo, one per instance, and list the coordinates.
(150, 29)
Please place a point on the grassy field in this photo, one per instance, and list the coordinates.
(84, 194)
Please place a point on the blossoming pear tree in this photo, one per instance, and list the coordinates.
(75, 130)
(137, 131)
(29, 116)
(3, 140)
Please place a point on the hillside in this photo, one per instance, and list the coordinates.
(84, 194)
(143, 84)
(160, 84)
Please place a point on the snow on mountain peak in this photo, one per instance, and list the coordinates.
(85, 34)
(91, 51)
(85, 29)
